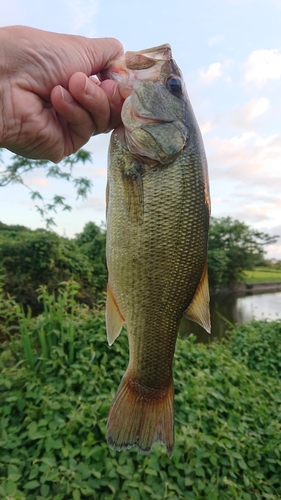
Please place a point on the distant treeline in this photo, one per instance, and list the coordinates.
(29, 259)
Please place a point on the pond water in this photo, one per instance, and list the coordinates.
(236, 309)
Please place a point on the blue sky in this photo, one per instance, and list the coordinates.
(230, 54)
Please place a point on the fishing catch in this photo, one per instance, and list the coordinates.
(158, 210)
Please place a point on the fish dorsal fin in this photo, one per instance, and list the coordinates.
(199, 310)
(114, 319)
(107, 196)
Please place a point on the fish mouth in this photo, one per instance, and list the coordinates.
(142, 65)
(147, 125)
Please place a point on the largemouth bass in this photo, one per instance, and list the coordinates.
(158, 210)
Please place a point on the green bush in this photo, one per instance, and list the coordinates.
(53, 416)
(258, 345)
(92, 242)
(29, 259)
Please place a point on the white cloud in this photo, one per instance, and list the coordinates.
(246, 116)
(263, 65)
(82, 14)
(257, 107)
(206, 127)
(94, 202)
(215, 39)
(99, 172)
(42, 182)
(214, 71)
(249, 160)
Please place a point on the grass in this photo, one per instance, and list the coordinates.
(54, 403)
(262, 274)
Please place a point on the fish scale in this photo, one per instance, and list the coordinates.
(152, 294)
(157, 225)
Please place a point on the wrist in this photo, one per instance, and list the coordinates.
(4, 75)
(7, 38)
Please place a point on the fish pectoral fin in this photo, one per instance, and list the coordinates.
(199, 310)
(133, 191)
(114, 319)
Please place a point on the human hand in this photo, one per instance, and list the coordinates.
(49, 107)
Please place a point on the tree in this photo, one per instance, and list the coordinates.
(14, 173)
(91, 242)
(233, 248)
(29, 259)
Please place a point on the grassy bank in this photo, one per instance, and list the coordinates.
(262, 274)
(58, 378)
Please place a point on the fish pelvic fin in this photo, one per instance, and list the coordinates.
(114, 319)
(141, 416)
(199, 310)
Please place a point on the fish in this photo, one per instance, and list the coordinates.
(158, 211)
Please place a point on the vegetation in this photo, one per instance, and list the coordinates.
(262, 274)
(58, 378)
(91, 243)
(29, 259)
(234, 247)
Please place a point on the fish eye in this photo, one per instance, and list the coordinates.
(174, 85)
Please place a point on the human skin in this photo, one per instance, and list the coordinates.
(50, 104)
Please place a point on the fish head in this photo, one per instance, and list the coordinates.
(155, 108)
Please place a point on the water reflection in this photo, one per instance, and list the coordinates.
(236, 309)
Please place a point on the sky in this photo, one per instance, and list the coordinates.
(229, 52)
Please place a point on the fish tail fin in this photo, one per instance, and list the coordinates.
(141, 416)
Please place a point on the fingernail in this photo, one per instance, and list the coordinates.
(116, 98)
(90, 87)
(95, 79)
(66, 96)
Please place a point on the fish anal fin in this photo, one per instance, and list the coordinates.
(199, 310)
(114, 319)
(142, 417)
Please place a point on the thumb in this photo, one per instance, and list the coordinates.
(101, 50)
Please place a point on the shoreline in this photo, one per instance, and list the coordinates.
(251, 288)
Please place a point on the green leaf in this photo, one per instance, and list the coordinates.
(150, 471)
(31, 485)
(10, 487)
(51, 462)
(12, 469)
(134, 494)
(32, 429)
(200, 485)
(76, 494)
(242, 464)
(44, 490)
(246, 480)
(14, 477)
